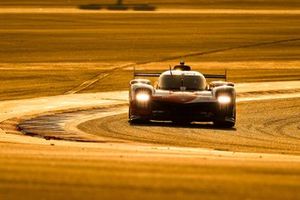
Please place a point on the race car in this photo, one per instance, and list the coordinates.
(182, 96)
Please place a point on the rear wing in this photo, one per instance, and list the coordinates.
(221, 76)
(145, 74)
(157, 74)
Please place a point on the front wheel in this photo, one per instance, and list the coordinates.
(224, 124)
(230, 116)
(138, 121)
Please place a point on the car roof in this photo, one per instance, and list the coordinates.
(185, 73)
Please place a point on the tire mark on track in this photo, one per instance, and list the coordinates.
(102, 76)
(260, 137)
(51, 126)
(254, 118)
(87, 84)
(193, 54)
(206, 132)
(280, 124)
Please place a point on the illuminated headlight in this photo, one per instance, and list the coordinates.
(142, 97)
(224, 99)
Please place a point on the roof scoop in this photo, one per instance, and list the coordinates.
(182, 67)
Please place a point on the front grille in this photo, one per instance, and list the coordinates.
(184, 109)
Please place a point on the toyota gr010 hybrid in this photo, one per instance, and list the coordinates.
(184, 96)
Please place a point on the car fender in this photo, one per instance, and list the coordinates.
(224, 89)
(139, 86)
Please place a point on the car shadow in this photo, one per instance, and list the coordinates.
(135, 7)
(183, 125)
(91, 7)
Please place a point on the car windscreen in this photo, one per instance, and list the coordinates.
(175, 82)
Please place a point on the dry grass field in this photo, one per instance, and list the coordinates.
(49, 54)
(38, 51)
(245, 4)
(52, 38)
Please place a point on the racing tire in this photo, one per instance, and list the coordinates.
(224, 124)
(133, 120)
(138, 121)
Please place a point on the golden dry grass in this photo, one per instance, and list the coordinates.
(87, 44)
(91, 43)
(245, 4)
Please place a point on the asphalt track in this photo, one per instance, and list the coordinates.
(84, 148)
(97, 154)
(264, 124)
(259, 129)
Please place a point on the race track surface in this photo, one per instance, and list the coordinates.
(272, 127)
(81, 146)
(85, 148)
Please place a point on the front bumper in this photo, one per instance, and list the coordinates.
(200, 111)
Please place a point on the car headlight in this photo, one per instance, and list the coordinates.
(142, 97)
(224, 99)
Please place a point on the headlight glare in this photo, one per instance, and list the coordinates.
(224, 99)
(142, 97)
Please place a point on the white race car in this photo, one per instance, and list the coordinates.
(182, 96)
